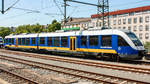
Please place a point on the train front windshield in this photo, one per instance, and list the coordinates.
(134, 39)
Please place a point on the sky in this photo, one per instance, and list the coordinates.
(44, 11)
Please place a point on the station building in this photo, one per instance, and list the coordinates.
(76, 24)
(136, 20)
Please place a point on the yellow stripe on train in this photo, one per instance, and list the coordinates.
(67, 49)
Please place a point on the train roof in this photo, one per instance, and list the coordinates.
(72, 33)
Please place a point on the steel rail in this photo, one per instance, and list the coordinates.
(94, 64)
(69, 69)
(19, 76)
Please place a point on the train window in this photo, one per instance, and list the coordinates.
(27, 41)
(9, 40)
(106, 41)
(42, 40)
(64, 41)
(12, 40)
(23, 41)
(122, 42)
(49, 41)
(33, 40)
(56, 41)
(83, 40)
(19, 41)
(93, 40)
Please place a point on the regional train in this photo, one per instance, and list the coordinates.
(1, 42)
(109, 43)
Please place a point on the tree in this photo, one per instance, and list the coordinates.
(5, 31)
(54, 26)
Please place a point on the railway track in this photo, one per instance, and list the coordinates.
(96, 77)
(15, 78)
(87, 63)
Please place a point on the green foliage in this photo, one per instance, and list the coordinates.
(37, 28)
(4, 31)
(54, 26)
(147, 46)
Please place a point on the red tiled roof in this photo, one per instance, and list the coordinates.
(118, 12)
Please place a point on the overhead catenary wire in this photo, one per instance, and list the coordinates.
(36, 11)
(11, 6)
(58, 7)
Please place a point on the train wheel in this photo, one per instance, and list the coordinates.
(115, 58)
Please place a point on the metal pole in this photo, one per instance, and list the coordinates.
(65, 8)
(108, 14)
(3, 7)
(103, 16)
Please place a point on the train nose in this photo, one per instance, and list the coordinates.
(141, 53)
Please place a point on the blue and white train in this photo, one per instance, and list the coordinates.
(103, 43)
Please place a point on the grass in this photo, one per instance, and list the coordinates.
(147, 46)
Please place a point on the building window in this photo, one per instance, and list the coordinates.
(140, 27)
(106, 41)
(119, 27)
(56, 41)
(147, 19)
(96, 24)
(49, 41)
(135, 20)
(93, 40)
(83, 40)
(129, 21)
(114, 22)
(147, 36)
(140, 35)
(124, 27)
(72, 25)
(135, 28)
(119, 22)
(147, 28)
(64, 42)
(114, 16)
(129, 28)
(42, 40)
(100, 24)
(77, 25)
(114, 27)
(131, 14)
(141, 20)
(93, 24)
(124, 21)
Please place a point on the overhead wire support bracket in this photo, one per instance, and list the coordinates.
(84, 3)
(104, 7)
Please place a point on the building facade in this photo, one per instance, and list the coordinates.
(136, 20)
(76, 24)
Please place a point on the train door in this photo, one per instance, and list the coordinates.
(72, 43)
(16, 42)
